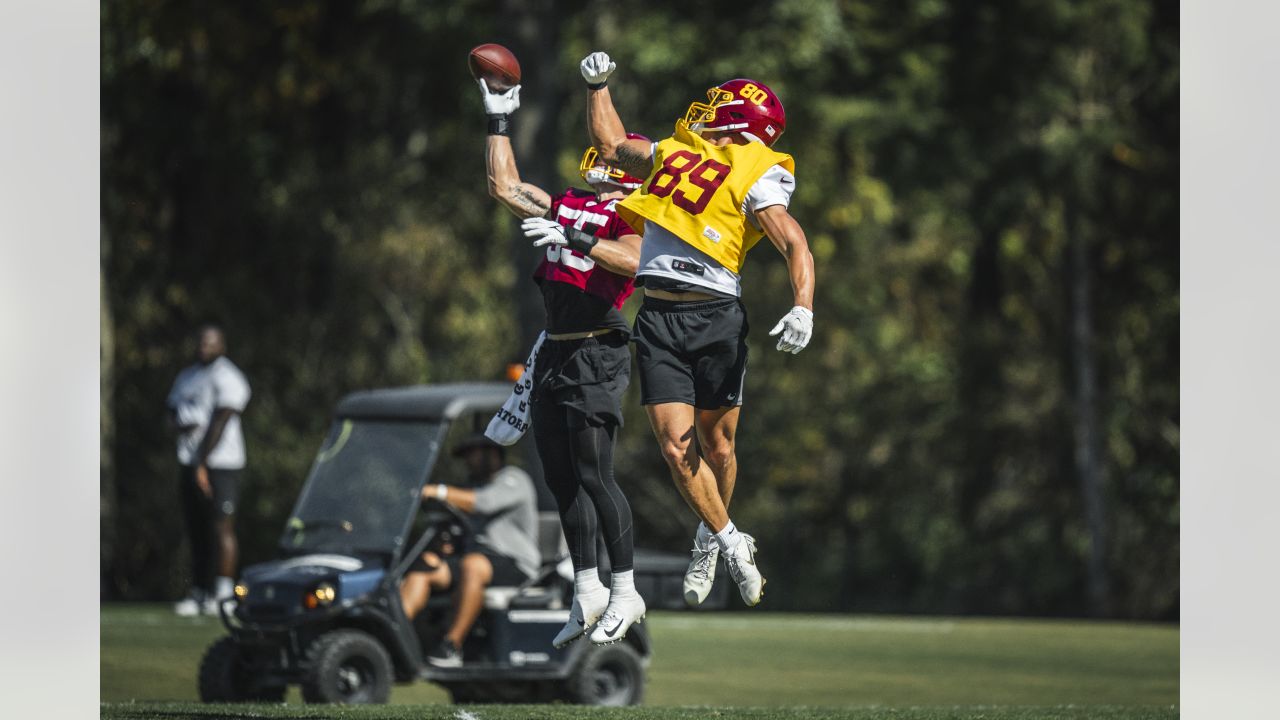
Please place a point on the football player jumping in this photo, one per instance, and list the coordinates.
(710, 192)
(583, 366)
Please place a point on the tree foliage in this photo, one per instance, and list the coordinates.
(311, 175)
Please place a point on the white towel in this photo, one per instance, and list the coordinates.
(512, 421)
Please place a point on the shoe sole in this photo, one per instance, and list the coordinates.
(620, 637)
(566, 643)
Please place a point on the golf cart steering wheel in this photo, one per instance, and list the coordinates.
(452, 526)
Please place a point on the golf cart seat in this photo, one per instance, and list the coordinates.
(546, 589)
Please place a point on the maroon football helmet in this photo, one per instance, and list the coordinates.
(594, 170)
(740, 105)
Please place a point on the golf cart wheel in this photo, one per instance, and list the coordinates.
(609, 675)
(349, 667)
(225, 677)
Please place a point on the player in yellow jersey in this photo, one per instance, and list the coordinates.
(711, 191)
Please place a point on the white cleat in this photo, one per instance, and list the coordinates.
(742, 566)
(622, 613)
(189, 606)
(581, 619)
(701, 574)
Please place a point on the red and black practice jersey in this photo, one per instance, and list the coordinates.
(578, 293)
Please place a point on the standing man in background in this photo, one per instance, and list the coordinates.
(204, 410)
(711, 191)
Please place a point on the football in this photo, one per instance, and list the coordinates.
(496, 65)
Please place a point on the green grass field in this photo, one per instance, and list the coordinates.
(743, 665)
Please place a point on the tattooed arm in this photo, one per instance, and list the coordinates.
(610, 137)
(505, 186)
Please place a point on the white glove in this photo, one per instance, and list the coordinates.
(796, 328)
(596, 67)
(550, 232)
(499, 103)
(544, 231)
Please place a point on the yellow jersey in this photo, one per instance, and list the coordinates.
(696, 191)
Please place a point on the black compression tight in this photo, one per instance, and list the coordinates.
(578, 466)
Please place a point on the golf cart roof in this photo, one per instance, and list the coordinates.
(424, 402)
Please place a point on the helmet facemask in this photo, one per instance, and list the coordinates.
(702, 113)
(595, 171)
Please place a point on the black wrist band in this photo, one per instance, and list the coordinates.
(499, 124)
(580, 241)
(597, 86)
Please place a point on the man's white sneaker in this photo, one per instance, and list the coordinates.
(622, 613)
(701, 574)
(585, 613)
(188, 606)
(742, 566)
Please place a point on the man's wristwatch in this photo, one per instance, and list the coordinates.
(442, 492)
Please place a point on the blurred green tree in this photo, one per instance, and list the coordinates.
(987, 418)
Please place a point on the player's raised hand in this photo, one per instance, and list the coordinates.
(499, 103)
(796, 328)
(596, 68)
(544, 231)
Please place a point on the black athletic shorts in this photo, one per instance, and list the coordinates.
(691, 352)
(226, 487)
(587, 377)
(505, 571)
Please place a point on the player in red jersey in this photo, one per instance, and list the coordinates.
(584, 364)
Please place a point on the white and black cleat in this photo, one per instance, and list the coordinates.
(621, 614)
(742, 566)
(701, 574)
(581, 619)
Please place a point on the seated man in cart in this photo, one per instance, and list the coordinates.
(501, 549)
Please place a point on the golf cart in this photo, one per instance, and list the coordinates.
(327, 616)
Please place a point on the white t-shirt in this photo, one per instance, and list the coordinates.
(664, 255)
(198, 391)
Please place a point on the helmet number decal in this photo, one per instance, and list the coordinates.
(750, 92)
(681, 169)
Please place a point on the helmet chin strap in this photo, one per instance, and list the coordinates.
(732, 129)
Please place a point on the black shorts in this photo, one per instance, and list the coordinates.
(505, 571)
(691, 352)
(587, 377)
(226, 487)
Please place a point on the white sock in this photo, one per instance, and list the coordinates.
(728, 537)
(587, 583)
(623, 583)
(703, 538)
(226, 587)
